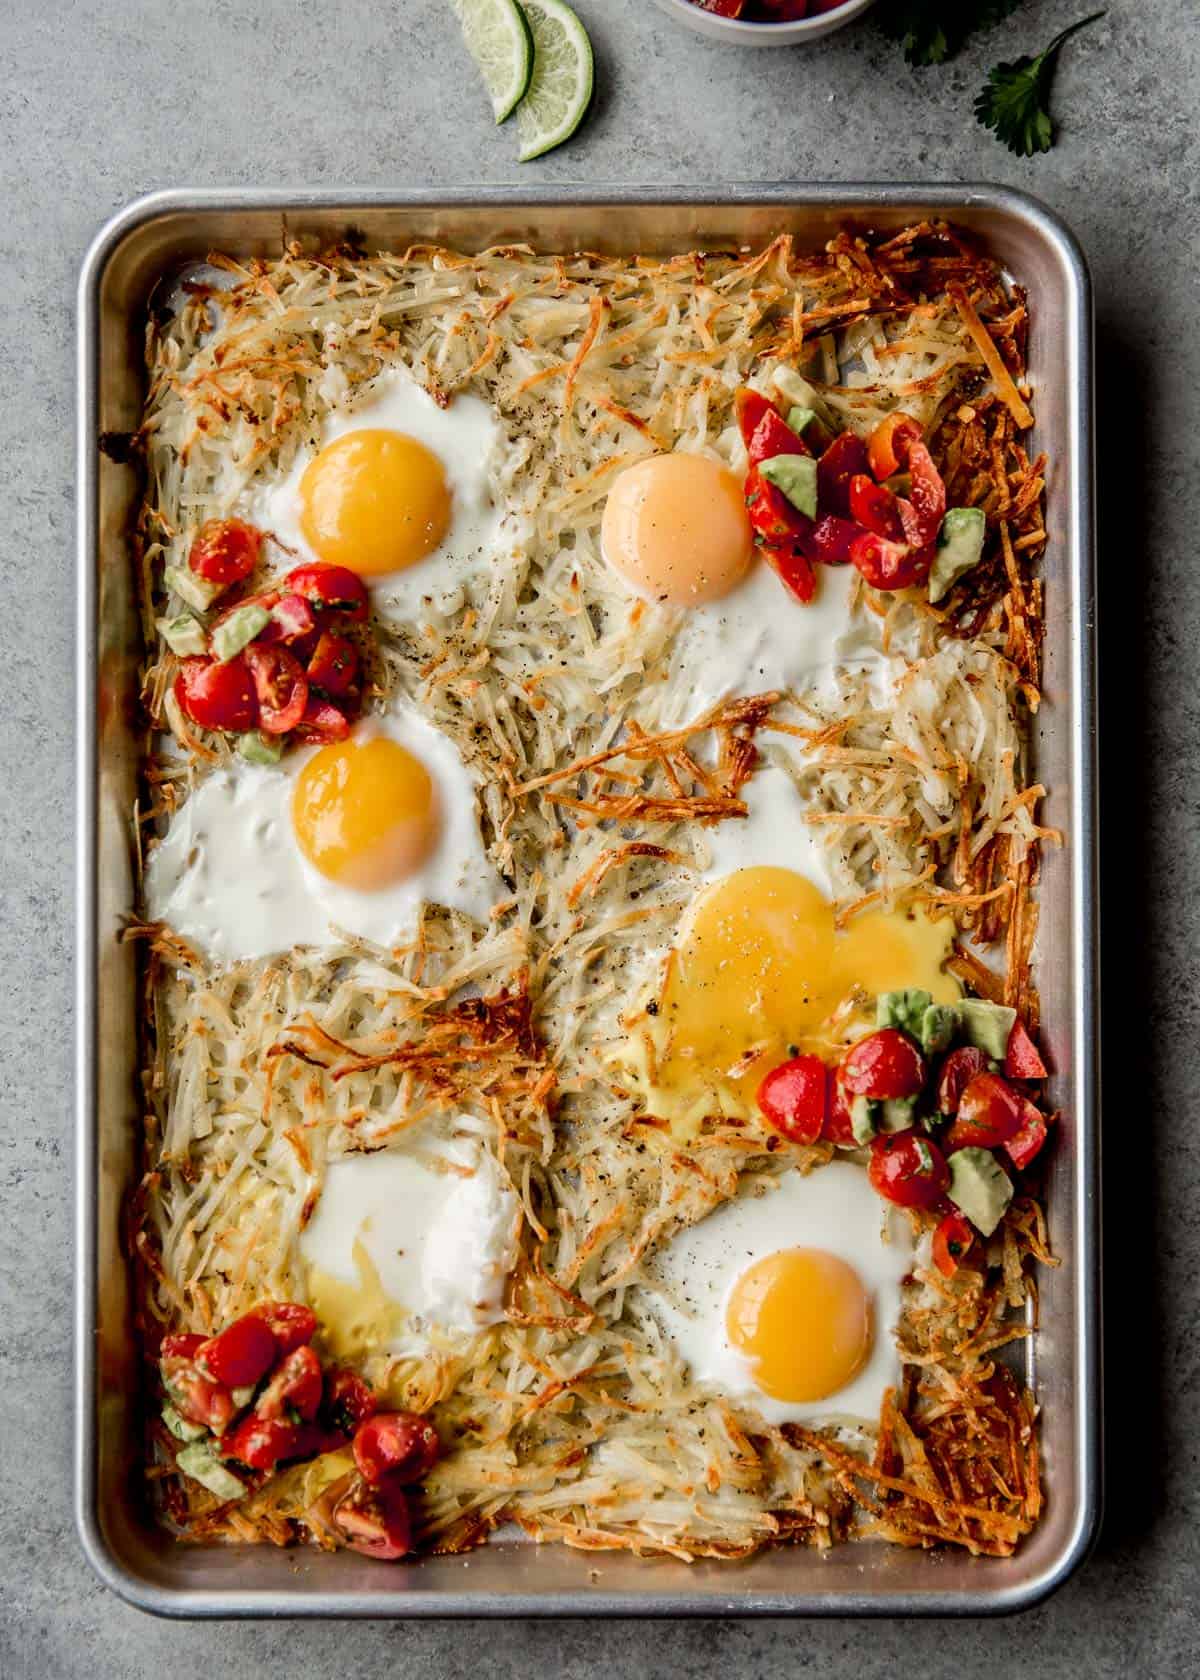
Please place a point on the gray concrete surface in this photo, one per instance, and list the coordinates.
(101, 100)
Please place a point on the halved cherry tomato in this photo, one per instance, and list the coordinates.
(400, 1444)
(952, 1242)
(225, 551)
(790, 565)
(217, 696)
(181, 1346)
(1021, 1059)
(831, 539)
(774, 518)
(890, 565)
(261, 1443)
(792, 1098)
(293, 622)
(198, 1396)
(331, 588)
(322, 721)
(1024, 1145)
(839, 1124)
(773, 436)
(889, 444)
(295, 1383)
(846, 455)
(374, 1521)
(926, 508)
(876, 508)
(989, 1113)
(348, 1401)
(883, 1064)
(333, 666)
(908, 1168)
(281, 686)
(242, 1353)
(291, 1324)
(749, 406)
(958, 1070)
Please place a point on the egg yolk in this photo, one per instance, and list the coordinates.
(803, 1318)
(375, 501)
(365, 812)
(675, 527)
(759, 969)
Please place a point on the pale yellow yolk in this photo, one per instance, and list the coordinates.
(676, 528)
(375, 501)
(356, 1318)
(760, 967)
(365, 812)
(803, 1318)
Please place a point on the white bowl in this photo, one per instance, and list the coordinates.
(737, 33)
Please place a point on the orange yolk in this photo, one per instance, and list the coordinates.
(761, 966)
(365, 812)
(675, 528)
(375, 501)
(803, 1318)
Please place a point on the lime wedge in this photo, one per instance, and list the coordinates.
(561, 85)
(499, 41)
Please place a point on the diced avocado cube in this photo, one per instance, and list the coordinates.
(183, 635)
(979, 1187)
(959, 548)
(938, 1026)
(258, 748)
(896, 1114)
(987, 1025)
(798, 393)
(904, 1009)
(203, 1466)
(238, 631)
(182, 1428)
(800, 418)
(864, 1119)
(198, 592)
(796, 476)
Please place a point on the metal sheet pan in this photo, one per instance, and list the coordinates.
(157, 236)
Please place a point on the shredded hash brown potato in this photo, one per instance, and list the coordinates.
(575, 1418)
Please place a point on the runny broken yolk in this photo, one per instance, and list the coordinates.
(803, 1319)
(375, 501)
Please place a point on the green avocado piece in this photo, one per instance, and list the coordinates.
(183, 635)
(258, 748)
(203, 1466)
(182, 1428)
(796, 476)
(863, 1119)
(979, 1187)
(799, 419)
(198, 592)
(896, 1114)
(798, 393)
(959, 548)
(987, 1025)
(904, 1009)
(938, 1026)
(238, 631)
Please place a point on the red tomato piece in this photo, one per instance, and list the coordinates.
(773, 517)
(749, 407)
(889, 443)
(348, 1401)
(261, 1443)
(375, 1521)
(225, 551)
(890, 565)
(908, 1168)
(182, 1346)
(876, 508)
(792, 1098)
(281, 686)
(322, 721)
(773, 436)
(924, 512)
(400, 1444)
(989, 1113)
(331, 589)
(831, 539)
(217, 696)
(791, 567)
(952, 1242)
(839, 1124)
(1026, 1143)
(958, 1070)
(198, 1396)
(333, 666)
(883, 1064)
(296, 1384)
(241, 1354)
(291, 1324)
(846, 456)
(293, 622)
(1021, 1059)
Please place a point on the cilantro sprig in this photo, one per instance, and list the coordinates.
(931, 31)
(1015, 99)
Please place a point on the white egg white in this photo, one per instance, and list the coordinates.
(439, 1227)
(832, 1208)
(772, 835)
(468, 442)
(230, 878)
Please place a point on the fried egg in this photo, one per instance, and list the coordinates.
(399, 490)
(406, 1243)
(790, 1297)
(355, 835)
(675, 528)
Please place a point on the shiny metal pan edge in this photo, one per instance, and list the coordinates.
(158, 234)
